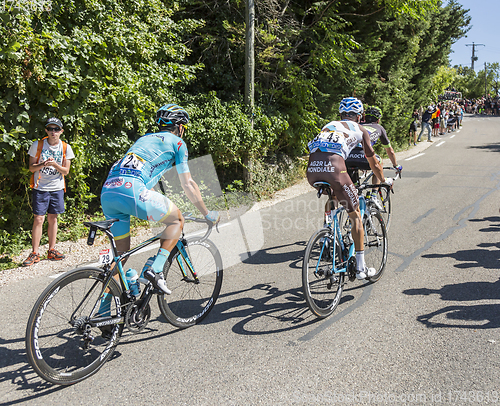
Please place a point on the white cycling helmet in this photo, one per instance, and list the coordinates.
(351, 105)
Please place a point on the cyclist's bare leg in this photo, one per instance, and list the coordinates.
(174, 224)
(357, 231)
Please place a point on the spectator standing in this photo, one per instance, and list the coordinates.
(50, 160)
(426, 124)
(442, 125)
(413, 127)
(435, 121)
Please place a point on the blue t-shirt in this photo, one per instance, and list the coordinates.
(151, 156)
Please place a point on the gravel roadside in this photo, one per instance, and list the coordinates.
(78, 253)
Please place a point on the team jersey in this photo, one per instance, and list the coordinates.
(337, 139)
(150, 157)
(377, 132)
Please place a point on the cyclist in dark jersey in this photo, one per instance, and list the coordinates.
(356, 159)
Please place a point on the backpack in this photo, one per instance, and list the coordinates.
(37, 156)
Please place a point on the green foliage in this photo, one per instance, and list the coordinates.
(224, 130)
(475, 85)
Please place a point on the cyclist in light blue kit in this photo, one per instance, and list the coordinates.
(128, 188)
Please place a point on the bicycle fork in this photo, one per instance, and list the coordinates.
(187, 262)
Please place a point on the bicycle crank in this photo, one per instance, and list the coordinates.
(135, 318)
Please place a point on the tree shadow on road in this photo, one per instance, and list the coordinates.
(273, 255)
(494, 147)
(474, 316)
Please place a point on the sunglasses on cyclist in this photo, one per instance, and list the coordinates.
(53, 129)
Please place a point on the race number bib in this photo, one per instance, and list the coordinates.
(132, 164)
(105, 257)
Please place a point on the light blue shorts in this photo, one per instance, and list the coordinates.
(122, 197)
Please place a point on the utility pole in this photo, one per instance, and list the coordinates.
(474, 57)
(249, 78)
(485, 79)
(249, 57)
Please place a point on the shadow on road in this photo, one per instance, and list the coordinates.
(490, 147)
(473, 316)
(272, 255)
(24, 377)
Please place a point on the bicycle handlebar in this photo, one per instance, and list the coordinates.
(364, 186)
(398, 172)
(188, 217)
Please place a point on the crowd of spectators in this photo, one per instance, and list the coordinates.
(444, 117)
(447, 115)
(489, 106)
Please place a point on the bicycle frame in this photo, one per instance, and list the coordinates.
(118, 259)
(336, 230)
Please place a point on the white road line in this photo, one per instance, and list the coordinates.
(453, 136)
(441, 143)
(415, 156)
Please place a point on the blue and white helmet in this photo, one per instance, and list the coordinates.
(351, 105)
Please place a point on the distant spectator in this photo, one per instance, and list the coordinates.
(413, 127)
(50, 160)
(435, 121)
(426, 124)
(452, 121)
(442, 125)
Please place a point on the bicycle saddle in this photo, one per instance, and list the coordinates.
(101, 225)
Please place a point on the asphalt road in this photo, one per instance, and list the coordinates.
(426, 333)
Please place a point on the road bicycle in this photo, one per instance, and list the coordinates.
(329, 256)
(67, 340)
(381, 198)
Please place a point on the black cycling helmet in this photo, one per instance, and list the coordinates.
(170, 115)
(374, 112)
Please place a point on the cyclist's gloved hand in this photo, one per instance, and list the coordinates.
(389, 181)
(213, 216)
(398, 169)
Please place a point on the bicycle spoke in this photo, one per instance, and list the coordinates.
(191, 301)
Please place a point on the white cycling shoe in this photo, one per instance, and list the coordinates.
(366, 273)
(157, 280)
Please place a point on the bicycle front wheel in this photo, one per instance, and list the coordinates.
(192, 297)
(375, 243)
(322, 288)
(385, 198)
(63, 344)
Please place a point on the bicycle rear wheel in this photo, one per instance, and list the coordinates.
(191, 300)
(375, 243)
(322, 288)
(62, 344)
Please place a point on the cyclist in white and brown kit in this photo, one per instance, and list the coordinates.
(328, 152)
